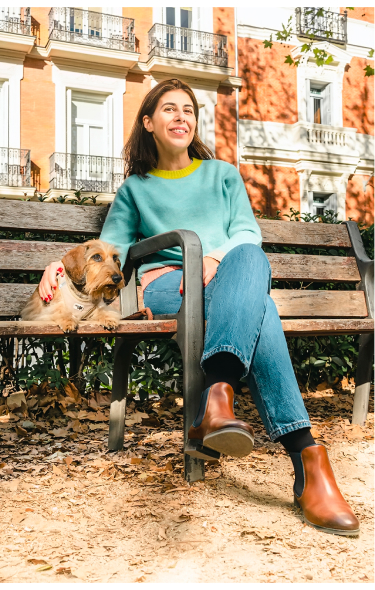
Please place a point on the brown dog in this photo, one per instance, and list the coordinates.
(91, 282)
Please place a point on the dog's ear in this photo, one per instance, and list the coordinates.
(74, 263)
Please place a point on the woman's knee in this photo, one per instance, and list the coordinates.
(248, 255)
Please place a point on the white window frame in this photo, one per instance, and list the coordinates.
(329, 204)
(202, 18)
(11, 74)
(325, 98)
(113, 85)
(107, 127)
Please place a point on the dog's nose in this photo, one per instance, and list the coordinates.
(116, 279)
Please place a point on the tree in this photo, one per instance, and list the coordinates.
(321, 56)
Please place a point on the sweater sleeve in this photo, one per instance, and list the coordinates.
(243, 228)
(122, 222)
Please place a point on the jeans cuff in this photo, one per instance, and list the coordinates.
(290, 428)
(227, 348)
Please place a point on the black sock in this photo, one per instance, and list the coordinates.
(297, 440)
(223, 366)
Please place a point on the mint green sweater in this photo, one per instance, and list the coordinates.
(208, 197)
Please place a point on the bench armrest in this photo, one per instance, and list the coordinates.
(365, 265)
(192, 257)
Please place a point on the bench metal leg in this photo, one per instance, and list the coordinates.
(191, 346)
(363, 379)
(123, 353)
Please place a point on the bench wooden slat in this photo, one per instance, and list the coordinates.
(18, 255)
(289, 302)
(88, 220)
(313, 327)
(312, 235)
(51, 217)
(319, 304)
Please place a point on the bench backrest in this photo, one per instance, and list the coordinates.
(19, 256)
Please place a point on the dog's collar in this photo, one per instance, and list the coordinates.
(79, 305)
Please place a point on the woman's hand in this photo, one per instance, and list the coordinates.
(209, 271)
(48, 281)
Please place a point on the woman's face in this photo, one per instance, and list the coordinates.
(173, 122)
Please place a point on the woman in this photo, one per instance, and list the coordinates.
(173, 181)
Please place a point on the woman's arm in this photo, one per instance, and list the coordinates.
(121, 225)
(48, 281)
(243, 228)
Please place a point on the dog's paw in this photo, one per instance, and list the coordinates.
(69, 325)
(110, 323)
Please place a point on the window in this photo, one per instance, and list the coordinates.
(319, 103)
(322, 202)
(4, 139)
(202, 124)
(179, 17)
(88, 125)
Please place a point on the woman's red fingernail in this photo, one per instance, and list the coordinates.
(50, 297)
(62, 274)
(46, 299)
(54, 288)
(59, 270)
(181, 291)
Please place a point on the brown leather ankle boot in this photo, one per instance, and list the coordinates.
(216, 426)
(316, 492)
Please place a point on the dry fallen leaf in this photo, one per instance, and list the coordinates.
(43, 568)
(162, 534)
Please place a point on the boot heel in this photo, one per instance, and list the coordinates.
(296, 503)
(195, 448)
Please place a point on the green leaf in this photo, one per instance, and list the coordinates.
(328, 60)
(267, 44)
(289, 60)
(338, 361)
(369, 71)
(319, 363)
(103, 378)
(371, 53)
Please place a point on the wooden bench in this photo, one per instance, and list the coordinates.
(302, 312)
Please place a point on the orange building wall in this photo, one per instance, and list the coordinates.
(224, 25)
(366, 14)
(271, 188)
(39, 22)
(360, 199)
(358, 97)
(269, 86)
(143, 23)
(38, 115)
(136, 89)
(226, 126)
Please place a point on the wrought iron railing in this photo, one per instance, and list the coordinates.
(15, 20)
(188, 44)
(321, 24)
(88, 27)
(98, 174)
(15, 167)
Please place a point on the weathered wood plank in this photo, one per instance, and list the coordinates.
(51, 217)
(17, 255)
(319, 304)
(166, 328)
(326, 327)
(126, 327)
(70, 219)
(310, 235)
(289, 302)
(301, 267)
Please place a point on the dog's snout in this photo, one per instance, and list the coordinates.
(116, 278)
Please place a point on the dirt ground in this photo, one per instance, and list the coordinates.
(71, 511)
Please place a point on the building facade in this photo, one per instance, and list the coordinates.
(72, 79)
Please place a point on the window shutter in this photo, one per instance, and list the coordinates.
(309, 105)
(327, 107)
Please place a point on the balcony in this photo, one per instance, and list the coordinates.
(178, 50)
(15, 173)
(322, 25)
(89, 174)
(318, 147)
(15, 29)
(87, 35)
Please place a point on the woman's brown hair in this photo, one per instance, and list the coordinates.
(140, 152)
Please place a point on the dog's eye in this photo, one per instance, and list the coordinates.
(96, 257)
(115, 257)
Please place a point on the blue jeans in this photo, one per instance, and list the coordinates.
(242, 319)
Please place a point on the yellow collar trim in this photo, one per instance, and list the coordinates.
(177, 173)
